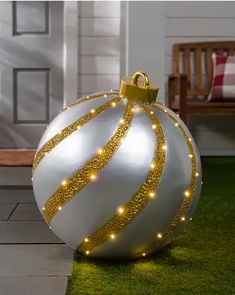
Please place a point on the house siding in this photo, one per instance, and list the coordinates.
(99, 46)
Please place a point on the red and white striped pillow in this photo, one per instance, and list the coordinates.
(223, 82)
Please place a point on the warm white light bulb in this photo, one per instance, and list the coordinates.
(187, 193)
(151, 112)
(152, 166)
(176, 124)
(100, 151)
(143, 254)
(190, 156)
(154, 126)
(92, 111)
(59, 208)
(164, 147)
(121, 121)
(112, 236)
(87, 252)
(159, 235)
(183, 218)
(165, 110)
(93, 176)
(86, 240)
(43, 208)
(152, 194)
(120, 210)
(113, 104)
(105, 95)
(64, 182)
(196, 174)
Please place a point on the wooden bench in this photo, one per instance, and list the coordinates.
(190, 82)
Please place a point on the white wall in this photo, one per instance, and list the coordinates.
(195, 22)
(142, 40)
(98, 46)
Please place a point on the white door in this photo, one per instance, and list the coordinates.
(31, 70)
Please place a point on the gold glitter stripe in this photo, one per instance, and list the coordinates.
(138, 201)
(181, 215)
(90, 97)
(88, 172)
(55, 140)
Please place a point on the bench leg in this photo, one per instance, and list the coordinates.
(183, 98)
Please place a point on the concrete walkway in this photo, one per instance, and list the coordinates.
(33, 261)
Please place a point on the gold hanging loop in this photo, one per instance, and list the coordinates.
(145, 92)
(135, 77)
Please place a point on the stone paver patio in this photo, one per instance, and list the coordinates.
(32, 259)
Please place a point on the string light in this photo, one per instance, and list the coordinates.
(159, 235)
(68, 108)
(177, 115)
(187, 193)
(176, 124)
(105, 95)
(152, 166)
(152, 194)
(87, 252)
(165, 111)
(190, 139)
(121, 121)
(100, 151)
(190, 156)
(78, 127)
(164, 147)
(46, 153)
(88, 97)
(92, 111)
(59, 208)
(196, 174)
(154, 126)
(120, 210)
(49, 227)
(151, 112)
(201, 182)
(113, 104)
(190, 219)
(86, 240)
(64, 182)
(32, 179)
(183, 218)
(143, 254)
(112, 236)
(93, 177)
(43, 208)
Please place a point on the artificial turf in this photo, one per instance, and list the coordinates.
(200, 261)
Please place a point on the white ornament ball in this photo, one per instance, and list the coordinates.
(116, 179)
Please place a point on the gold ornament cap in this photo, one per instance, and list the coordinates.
(146, 92)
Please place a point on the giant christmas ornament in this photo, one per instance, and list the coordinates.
(117, 174)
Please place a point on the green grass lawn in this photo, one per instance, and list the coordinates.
(200, 261)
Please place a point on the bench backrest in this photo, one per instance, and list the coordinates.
(195, 60)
